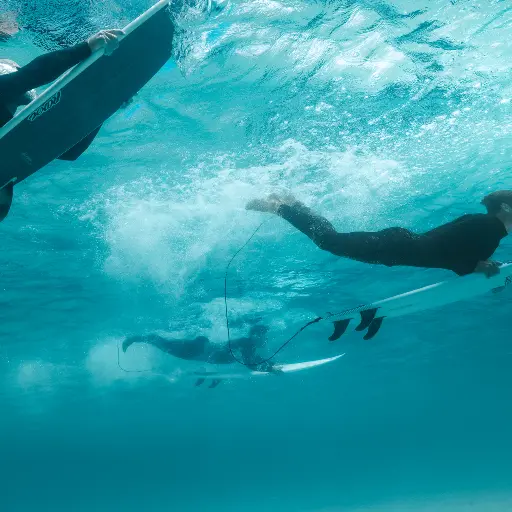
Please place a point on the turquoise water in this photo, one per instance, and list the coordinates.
(374, 113)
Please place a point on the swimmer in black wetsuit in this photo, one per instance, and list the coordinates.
(201, 349)
(464, 245)
(17, 84)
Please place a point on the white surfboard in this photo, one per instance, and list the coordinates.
(369, 317)
(282, 368)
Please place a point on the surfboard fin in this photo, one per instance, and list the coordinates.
(215, 383)
(200, 381)
(367, 317)
(80, 147)
(340, 326)
(374, 328)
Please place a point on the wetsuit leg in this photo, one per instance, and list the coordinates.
(393, 246)
(78, 149)
(183, 349)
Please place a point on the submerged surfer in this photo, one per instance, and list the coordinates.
(464, 245)
(17, 84)
(201, 349)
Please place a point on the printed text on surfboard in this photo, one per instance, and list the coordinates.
(47, 105)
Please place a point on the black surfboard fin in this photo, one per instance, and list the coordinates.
(215, 383)
(367, 317)
(374, 328)
(199, 382)
(340, 326)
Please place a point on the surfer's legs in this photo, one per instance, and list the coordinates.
(128, 342)
(6, 195)
(184, 349)
(78, 149)
(149, 339)
(393, 246)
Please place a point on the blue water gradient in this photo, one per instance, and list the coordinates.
(375, 113)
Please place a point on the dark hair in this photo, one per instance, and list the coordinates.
(494, 201)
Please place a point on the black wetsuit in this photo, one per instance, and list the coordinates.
(456, 246)
(190, 350)
(41, 71)
(200, 349)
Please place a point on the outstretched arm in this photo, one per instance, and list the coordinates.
(255, 361)
(41, 71)
(248, 353)
(49, 67)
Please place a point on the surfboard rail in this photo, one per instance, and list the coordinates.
(80, 101)
(282, 369)
(369, 317)
(69, 75)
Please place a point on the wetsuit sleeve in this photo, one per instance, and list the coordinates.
(464, 268)
(462, 244)
(41, 71)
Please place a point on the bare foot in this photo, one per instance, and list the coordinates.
(270, 204)
(128, 342)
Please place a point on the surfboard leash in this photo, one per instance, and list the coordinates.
(286, 343)
(148, 370)
(228, 328)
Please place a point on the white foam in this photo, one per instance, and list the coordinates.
(39, 375)
(167, 233)
(102, 364)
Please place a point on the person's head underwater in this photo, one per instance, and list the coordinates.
(499, 204)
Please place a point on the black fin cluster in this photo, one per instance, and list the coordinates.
(370, 323)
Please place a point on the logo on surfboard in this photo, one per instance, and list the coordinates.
(47, 105)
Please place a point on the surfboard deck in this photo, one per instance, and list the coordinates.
(369, 317)
(282, 369)
(85, 97)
